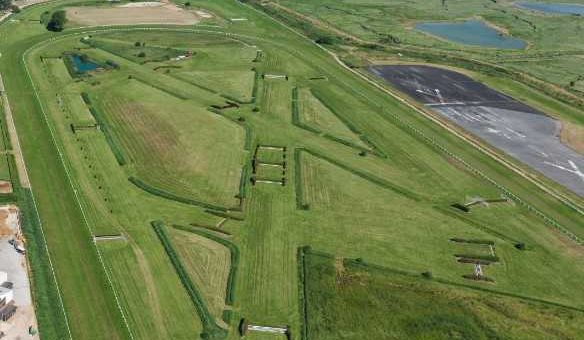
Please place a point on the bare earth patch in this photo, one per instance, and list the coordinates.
(5, 187)
(137, 13)
(573, 136)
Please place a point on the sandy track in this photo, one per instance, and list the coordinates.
(146, 13)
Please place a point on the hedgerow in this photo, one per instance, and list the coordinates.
(86, 98)
(478, 257)
(210, 328)
(300, 205)
(170, 196)
(475, 241)
(302, 290)
(243, 181)
(256, 84)
(234, 252)
(50, 318)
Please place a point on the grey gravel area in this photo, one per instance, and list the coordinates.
(513, 127)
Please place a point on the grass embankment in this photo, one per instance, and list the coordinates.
(388, 304)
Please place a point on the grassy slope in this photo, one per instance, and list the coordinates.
(389, 305)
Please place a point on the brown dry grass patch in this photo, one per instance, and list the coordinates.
(164, 14)
(573, 136)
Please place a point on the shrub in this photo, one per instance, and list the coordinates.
(256, 109)
(57, 22)
(137, 44)
(142, 54)
(520, 246)
(427, 275)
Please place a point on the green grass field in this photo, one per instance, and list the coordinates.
(391, 305)
(360, 183)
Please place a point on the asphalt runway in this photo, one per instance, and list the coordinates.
(515, 128)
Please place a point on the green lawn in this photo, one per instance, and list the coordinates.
(390, 207)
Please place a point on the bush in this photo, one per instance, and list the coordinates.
(142, 54)
(520, 246)
(256, 109)
(137, 44)
(427, 275)
(57, 22)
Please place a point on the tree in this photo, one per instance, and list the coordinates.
(5, 4)
(142, 54)
(137, 44)
(57, 22)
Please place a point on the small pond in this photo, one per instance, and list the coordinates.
(82, 64)
(471, 32)
(553, 8)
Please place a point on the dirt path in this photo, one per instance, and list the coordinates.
(20, 166)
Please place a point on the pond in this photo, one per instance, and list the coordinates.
(82, 64)
(553, 8)
(471, 32)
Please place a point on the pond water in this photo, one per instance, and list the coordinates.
(83, 65)
(471, 32)
(553, 8)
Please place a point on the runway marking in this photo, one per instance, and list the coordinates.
(515, 132)
(575, 170)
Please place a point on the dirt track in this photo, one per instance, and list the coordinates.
(149, 13)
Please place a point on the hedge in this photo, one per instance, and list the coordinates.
(478, 257)
(300, 205)
(256, 84)
(170, 196)
(302, 290)
(85, 98)
(234, 252)
(116, 150)
(474, 241)
(243, 181)
(209, 326)
(51, 320)
(371, 178)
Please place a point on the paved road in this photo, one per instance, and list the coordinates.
(519, 130)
